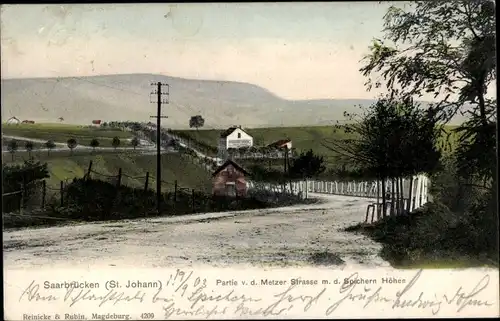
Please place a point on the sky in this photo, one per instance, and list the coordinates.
(296, 50)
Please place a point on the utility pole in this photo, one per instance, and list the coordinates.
(159, 100)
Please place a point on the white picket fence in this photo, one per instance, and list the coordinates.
(372, 189)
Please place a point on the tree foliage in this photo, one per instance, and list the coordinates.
(29, 147)
(50, 145)
(72, 143)
(26, 177)
(135, 142)
(444, 48)
(94, 143)
(393, 138)
(196, 122)
(438, 47)
(307, 165)
(116, 142)
(12, 147)
(14, 176)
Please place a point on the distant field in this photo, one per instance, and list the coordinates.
(61, 133)
(63, 167)
(303, 138)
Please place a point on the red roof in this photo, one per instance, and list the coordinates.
(230, 162)
(280, 143)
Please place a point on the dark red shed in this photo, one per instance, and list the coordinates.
(229, 180)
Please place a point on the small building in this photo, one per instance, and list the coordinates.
(282, 143)
(96, 122)
(28, 121)
(233, 137)
(13, 121)
(229, 179)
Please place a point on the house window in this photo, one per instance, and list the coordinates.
(239, 135)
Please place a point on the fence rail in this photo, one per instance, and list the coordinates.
(414, 189)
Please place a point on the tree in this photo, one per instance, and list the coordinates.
(49, 145)
(136, 127)
(29, 147)
(12, 147)
(393, 139)
(174, 143)
(196, 122)
(26, 177)
(72, 143)
(135, 142)
(94, 143)
(307, 165)
(116, 142)
(445, 48)
(230, 152)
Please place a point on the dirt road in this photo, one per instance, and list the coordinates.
(293, 236)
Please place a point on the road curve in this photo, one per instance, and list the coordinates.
(284, 236)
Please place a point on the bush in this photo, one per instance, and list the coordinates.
(14, 177)
(434, 233)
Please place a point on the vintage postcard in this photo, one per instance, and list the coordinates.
(249, 160)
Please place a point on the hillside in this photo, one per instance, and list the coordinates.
(79, 100)
(134, 166)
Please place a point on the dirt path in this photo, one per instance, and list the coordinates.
(286, 236)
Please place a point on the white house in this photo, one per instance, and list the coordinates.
(233, 137)
(13, 121)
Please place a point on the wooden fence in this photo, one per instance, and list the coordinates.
(19, 197)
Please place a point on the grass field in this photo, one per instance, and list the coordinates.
(303, 138)
(61, 133)
(64, 167)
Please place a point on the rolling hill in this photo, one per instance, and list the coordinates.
(79, 100)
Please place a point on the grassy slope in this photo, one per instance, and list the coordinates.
(61, 133)
(303, 138)
(62, 166)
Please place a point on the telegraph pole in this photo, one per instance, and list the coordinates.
(159, 100)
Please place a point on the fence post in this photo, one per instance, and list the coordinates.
(61, 189)
(24, 184)
(89, 170)
(192, 199)
(175, 191)
(44, 192)
(146, 184)
(119, 180)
